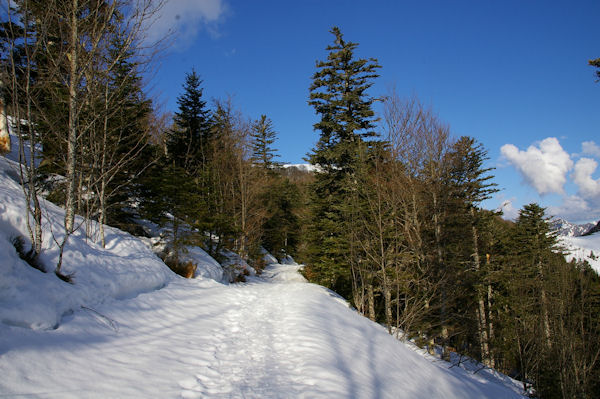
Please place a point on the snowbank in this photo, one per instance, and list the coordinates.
(207, 267)
(30, 298)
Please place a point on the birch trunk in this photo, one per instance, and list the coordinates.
(371, 301)
(72, 134)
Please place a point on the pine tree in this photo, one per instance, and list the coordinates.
(281, 230)
(338, 95)
(537, 242)
(124, 153)
(263, 136)
(176, 190)
(187, 142)
(170, 198)
(471, 185)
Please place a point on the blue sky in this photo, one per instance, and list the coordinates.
(512, 74)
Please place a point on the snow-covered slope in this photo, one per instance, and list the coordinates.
(568, 229)
(570, 237)
(30, 298)
(128, 327)
(277, 337)
(583, 248)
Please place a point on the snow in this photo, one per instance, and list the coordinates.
(274, 337)
(583, 248)
(30, 298)
(565, 228)
(128, 327)
(304, 167)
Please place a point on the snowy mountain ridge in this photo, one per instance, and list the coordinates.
(580, 241)
(568, 229)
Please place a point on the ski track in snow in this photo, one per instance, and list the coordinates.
(274, 337)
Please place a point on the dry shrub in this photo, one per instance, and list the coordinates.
(184, 269)
(4, 145)
(259, 265)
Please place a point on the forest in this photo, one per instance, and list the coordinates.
(389, 216)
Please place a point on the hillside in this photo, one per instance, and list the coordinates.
(128, 327)
(583, 248)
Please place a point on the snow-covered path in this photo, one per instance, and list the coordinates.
(274, 337)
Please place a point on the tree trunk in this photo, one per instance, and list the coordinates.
(490, 319)
(387, 295)
(440, 258)
(481, 314)
(69, 221)
(72, 127)
(371, 301)
(544, 306)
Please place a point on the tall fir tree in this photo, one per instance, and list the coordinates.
(175, 192)
(470, 183)
(263, 136)
(281, 229)
(338, 94)
(188, 141)
(120, 149)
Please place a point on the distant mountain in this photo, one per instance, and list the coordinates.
(568, 229)
(593, 230)
(305, 167)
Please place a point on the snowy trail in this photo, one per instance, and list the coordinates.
(275, 337)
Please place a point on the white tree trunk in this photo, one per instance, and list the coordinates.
(69, 222)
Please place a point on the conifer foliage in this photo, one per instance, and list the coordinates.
(339, 97)
(263, 137)
(188, 141)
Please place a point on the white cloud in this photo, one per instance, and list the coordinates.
(575, 209)
(582, 176)
(590, 148)
(544, 167)
(185, 18)
(509, 212)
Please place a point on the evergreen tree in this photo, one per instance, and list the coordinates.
(338, 95)
(125, 152)
(187, 142)
(175, 191)
(169, 198)
(263, 136)
(525, 316)
(470, 185)
(281, 230)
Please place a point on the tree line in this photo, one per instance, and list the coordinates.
(396, 226)
(391, 218)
